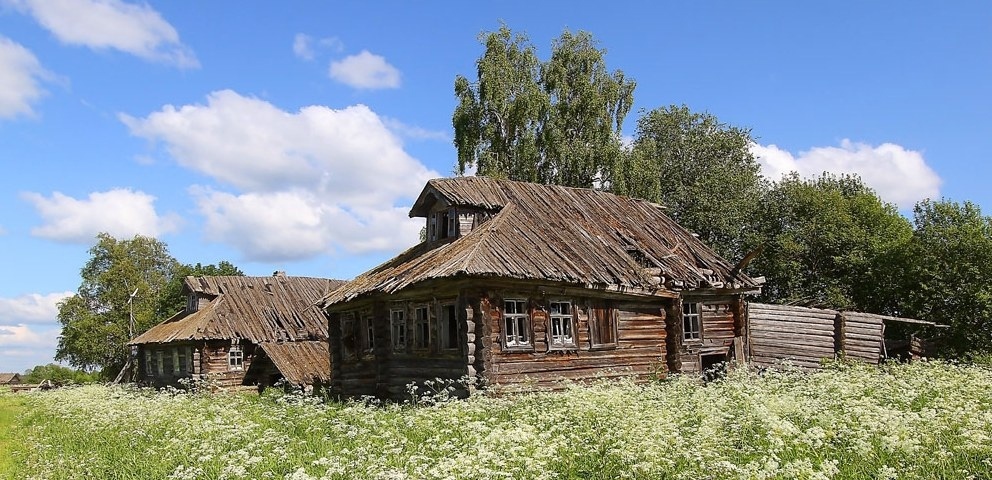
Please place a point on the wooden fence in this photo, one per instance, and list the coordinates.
(806, 336)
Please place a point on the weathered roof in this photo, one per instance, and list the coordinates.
(301, 363)
(6, 378)
(576, 236)
(258, 309)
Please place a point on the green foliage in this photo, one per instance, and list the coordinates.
(59, 374)
(95, 321)
(949, 264)
(172, 300)
(920, 420)
(701, 169)
(548, 122)
(830, 242)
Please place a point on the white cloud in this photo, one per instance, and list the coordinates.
(898, 175)
(295, 225)
(308, 182)
(365, 70)
(100, 24)
(415, 132)
(31, 308)
(120, 212)
(304, 45)
(20, 79)
(23, 336)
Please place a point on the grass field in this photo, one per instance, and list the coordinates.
(923, 420)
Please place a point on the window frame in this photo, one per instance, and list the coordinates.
(522, 325)
(397, 329)
(192, 303)
(567, 342)
(149, 363)
(596, 332)
(159, 363)
(448, 340)
(692, 312)
(235, 358)
(421, 328)
(368, 335)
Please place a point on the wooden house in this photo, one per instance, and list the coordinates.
(10, 379)
(524, 285)
(241, 331)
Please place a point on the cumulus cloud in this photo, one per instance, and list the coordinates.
(24, 336)
(120, 212)
(366, 71)
(305, 182)
(21, 76)
(898, 175)
(31, 308)
(136, 29)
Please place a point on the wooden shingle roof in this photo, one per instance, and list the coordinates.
(301, 363)
(575, 236)
(258, 309)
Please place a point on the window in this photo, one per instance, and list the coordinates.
(236, 358)
(603, 327)
(149, 363)
(691, 325)
(192, 303)
(349, 341)
(421, 329)
(368, 342)
(449, 327)
(443, 224)
(179, 362)
(516, 324)
(159, 364)
(397, 321)
(452, 223)
(432, 228)
(562, 335)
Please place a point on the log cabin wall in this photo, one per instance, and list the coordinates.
(610, 338)
(714, 323)
(414, 341)
(160, 365)
(216, 362)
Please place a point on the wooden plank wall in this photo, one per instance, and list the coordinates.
(803, 336)
(639, 352)
(862, 336)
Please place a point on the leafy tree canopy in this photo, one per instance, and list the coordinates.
(58, 373)
(829, 242)
(701, 169)
(949, 264)
(548, 122)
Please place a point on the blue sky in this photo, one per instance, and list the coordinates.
(294, 135)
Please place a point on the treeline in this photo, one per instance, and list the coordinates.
(827, 242)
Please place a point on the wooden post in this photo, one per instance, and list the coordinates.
(840, 334)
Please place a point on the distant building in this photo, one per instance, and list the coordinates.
(241, 331)
(10, 379)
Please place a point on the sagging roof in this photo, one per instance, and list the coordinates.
(577, 236)
(6, 378)
(301, 363)
(258, 309)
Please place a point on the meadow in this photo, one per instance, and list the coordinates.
(921, 420)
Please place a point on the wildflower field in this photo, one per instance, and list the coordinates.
(922, 420)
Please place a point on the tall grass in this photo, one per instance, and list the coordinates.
(922, 420)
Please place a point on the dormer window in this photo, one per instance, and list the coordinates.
(452, 223)
(192, 303)
(443, 224)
